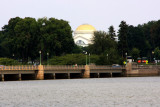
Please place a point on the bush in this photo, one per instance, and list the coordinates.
(7, 61)
(72, 59)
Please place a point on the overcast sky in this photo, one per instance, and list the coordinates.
(99, 13)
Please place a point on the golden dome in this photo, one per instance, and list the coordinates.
(85, 27)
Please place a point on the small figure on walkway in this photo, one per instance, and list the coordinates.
(75, 65)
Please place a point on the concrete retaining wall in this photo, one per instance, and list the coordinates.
(148, 70)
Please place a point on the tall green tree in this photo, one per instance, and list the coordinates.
(1, 51)
(101, 42)
(56, 36)
(122, 34)
(146, 29)
(136, 39)
(8, 37)
(112, 32)
(155, 34)
(25, 39)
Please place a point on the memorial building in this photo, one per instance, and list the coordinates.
(83, 35)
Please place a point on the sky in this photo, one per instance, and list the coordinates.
(99, 13)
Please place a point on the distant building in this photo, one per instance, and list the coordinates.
(83, 35)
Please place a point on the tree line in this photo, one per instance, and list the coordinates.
(136, 41)
(141, 40)
(23, 38)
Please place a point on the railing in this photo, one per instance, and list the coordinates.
(146, 67)
(59, 67)
(20, 67)
(106, 67)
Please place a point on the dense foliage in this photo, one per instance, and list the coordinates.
(136, 41)
(72, 59)
(24, 38)
(144, 37)
(105, 46)
(122, 34)
(7, 61)
(101, 42)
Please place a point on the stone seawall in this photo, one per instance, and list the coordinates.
(146, 70)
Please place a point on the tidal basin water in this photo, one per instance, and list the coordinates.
(97, 92)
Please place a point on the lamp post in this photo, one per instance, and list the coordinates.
(154, 59)
(126, 57)
(107, 58)
(86, 58)
(153, 55)
(40, 57)
(13, 59)
(47, 58)
(13, 56)
(89, 58)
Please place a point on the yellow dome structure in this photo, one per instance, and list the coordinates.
(85, 27)
(83, 35)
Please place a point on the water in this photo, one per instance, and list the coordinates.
(104, 92)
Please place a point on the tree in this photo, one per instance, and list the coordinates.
(136, 39)
(122, 34)
(106, 47)
(1, 39)
(135, 53)
(7, 38)
(101, 42)
(109, 57)
(157, 53)
(146, 29)
(112, 32)
(26, 37)
(77, 49)
(155, 34)
(56, 36)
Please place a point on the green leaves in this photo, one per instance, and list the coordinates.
(109, 57)
(26, 37)
(101, 42)
(112, 32)
(157, 53)
(7, 61)
(72, 59)
(135, 53)
(122, 34)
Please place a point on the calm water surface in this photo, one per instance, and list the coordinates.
(104, 92)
